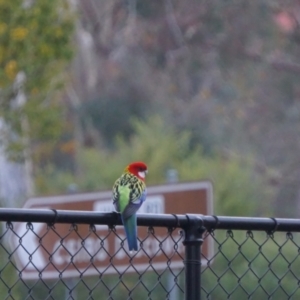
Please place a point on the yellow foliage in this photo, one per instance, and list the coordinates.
(19, 33)
(46, 50)
(11, 69)
(36, 39)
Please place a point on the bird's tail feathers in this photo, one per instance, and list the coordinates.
(131, 232)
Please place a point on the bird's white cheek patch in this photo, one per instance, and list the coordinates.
(142, 174)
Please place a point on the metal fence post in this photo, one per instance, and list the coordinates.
(192, 242)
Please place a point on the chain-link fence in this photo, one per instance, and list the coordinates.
(253, 265)
(48, 254)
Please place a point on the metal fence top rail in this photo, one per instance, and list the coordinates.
(52, 216)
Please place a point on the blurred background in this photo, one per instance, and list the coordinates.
(200, 89)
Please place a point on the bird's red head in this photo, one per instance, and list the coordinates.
(138, 169)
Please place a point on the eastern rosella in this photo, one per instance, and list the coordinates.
(129, 193)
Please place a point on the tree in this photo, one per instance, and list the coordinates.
(35, 44)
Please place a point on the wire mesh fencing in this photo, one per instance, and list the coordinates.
(252, 265)
(84, 256)
(70, 261)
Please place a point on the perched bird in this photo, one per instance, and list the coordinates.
(129, 193)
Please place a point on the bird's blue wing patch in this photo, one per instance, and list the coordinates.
(131, 209)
